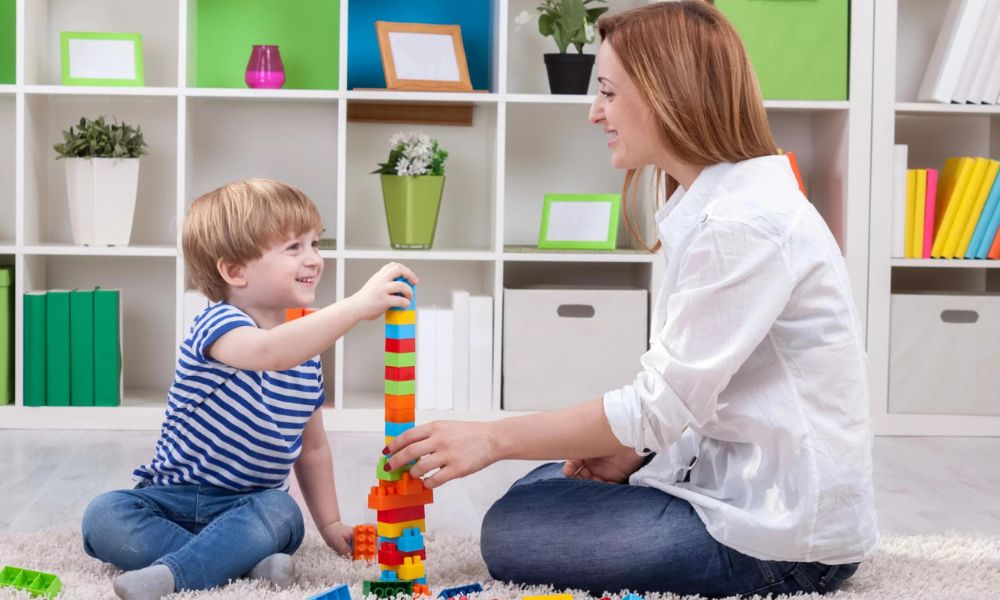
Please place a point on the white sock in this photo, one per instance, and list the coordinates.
(279, 569)
(151, 583)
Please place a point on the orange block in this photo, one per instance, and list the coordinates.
(365, 542)
(420, 589)
(391, 495)
(399, 402)
(400, 415)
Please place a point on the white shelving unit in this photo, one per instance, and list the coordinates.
(523, 143)
(905, 33)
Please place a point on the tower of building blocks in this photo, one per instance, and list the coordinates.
(398, 499)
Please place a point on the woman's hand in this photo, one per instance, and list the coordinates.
(457, 448)
(339, 536)
(614, 468)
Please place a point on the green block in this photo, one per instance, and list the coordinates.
(387, 589)
(400, 388)
(799, 48)
(395, 475)
(306, 32)
(396, 359)
(8, 41)
(35, 583)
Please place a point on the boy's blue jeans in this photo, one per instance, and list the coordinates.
(603, 537)
(205, 535)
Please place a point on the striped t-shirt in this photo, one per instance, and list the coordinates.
(226, 427)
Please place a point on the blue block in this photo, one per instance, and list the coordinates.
(463, 590)
(411, 540)
(400, 332)
(633, 597)
(341, 592)
(396, 429)
(388, 576)
(413, 301)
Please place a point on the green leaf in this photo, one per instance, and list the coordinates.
(545, 25)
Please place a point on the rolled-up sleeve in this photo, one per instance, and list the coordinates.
(732, 283)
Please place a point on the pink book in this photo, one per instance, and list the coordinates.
(932, 178)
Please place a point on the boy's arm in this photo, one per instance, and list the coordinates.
(314, 470)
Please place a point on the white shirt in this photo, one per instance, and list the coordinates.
(756, 371)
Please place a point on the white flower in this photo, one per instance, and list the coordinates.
(402, 166)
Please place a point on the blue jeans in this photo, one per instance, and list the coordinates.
(604, 537)
(204, 534)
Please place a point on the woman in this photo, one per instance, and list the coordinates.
(745, 440)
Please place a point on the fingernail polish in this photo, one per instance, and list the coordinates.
(385, 451)
(386, 467)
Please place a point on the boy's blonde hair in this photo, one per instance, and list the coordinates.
(238, 222)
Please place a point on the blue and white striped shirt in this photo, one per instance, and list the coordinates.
(226, 427)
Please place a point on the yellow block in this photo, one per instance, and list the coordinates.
(389, 438)
(400, 317)
(391, 530)
(412, 568)
(549, 597)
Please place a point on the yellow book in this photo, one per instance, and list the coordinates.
(920, 201)
(977, 209)
(911, 201)
(969, 199)
(946, 185)
(966, 169)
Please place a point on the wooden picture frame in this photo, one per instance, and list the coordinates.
(422, 57)
(580, 221)
(101, 59)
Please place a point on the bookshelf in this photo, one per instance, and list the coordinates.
(905, 33)
(202, 133)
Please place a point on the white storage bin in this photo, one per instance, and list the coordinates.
(944, 354)
(566, 346)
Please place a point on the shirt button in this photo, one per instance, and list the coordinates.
(703, 218)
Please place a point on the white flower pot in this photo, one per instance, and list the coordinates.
(102, 194)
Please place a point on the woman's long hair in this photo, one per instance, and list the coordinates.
(692, 70)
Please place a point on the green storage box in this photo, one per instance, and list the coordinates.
(799, 48)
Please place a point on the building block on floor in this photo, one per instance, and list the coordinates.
(413, 297)
(632, 597)
(387, 589)
(398, 515)
(341, 592)
(421, 589)
(400, 373)
(550, 597)
(35, 583)
(390, 555)
(401, 317)
(400, 388)
(401, 332)
(392, 530)
(398, 402)
(401, 415)
(397, 429)
(365, 540)
(411, 569)
(401, 359)
(463, 590)
(400, 346)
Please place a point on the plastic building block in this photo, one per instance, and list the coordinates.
(389, 554)
(400, 373)
(394, 475)
(401, 317)
(341, 592)
(400, 494)
(411, 541)
(400, 388)
(392, 530)
(365, 539)
(398, 515)
(294, 313)
(35, 583)
(400, 415)
(401, 359)
(633, 597)
(397, 429)
(400, 402)
(411, 569)
(401, 332)
(387, 574)
(550, 597)
(388, 439)
(400, 346)
(413, 299)
(421, 589)
(387, 589)
(463, 590)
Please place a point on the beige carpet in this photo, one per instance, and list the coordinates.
(911, 568)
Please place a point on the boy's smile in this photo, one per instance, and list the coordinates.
(285, 276)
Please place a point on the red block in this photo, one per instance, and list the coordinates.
(400, 346)
(389, 555)
(398, 515)
(400, 373)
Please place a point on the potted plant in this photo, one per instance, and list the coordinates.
(102, 177)
(569, 22)
(412, 183)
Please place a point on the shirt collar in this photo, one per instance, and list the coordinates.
(685, 206)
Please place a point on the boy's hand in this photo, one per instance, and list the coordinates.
(379, 294)
(339, 536)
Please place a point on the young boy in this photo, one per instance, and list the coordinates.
(212, 504)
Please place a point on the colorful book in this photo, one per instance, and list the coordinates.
(968, 213)
(991, 215)
(977, 210)
(57, 353)
(982, 222)
(920, 202)
(946, 187)
(911, 202)
(899, 155)
(34, 348)
(929, 210)
(6, 335)
(107, 348)
(968, 170)
(81, 347)
(994, 252)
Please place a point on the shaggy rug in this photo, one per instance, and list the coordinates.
(911, 568)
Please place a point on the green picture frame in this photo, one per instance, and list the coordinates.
(580, 221)
(117, 70)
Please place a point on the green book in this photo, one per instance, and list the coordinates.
(34, 348)
(6, 335)
(57, 348)
(81, 347)
(107, 348)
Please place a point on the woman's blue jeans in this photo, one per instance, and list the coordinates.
(603, 537)
(204, 534)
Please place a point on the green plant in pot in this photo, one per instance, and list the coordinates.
(412, 184)
(102, 179)
(569, 23)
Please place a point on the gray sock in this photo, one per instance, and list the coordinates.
(151, 583)
(279, 569)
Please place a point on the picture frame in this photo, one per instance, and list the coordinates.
(423, 57)
(580, 221)
(101, 59)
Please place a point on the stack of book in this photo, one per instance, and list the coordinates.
(6, 335)
(455, 354)
(72, 348)
(965, 64)
(954, 214)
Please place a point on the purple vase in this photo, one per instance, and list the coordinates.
(264, 69)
